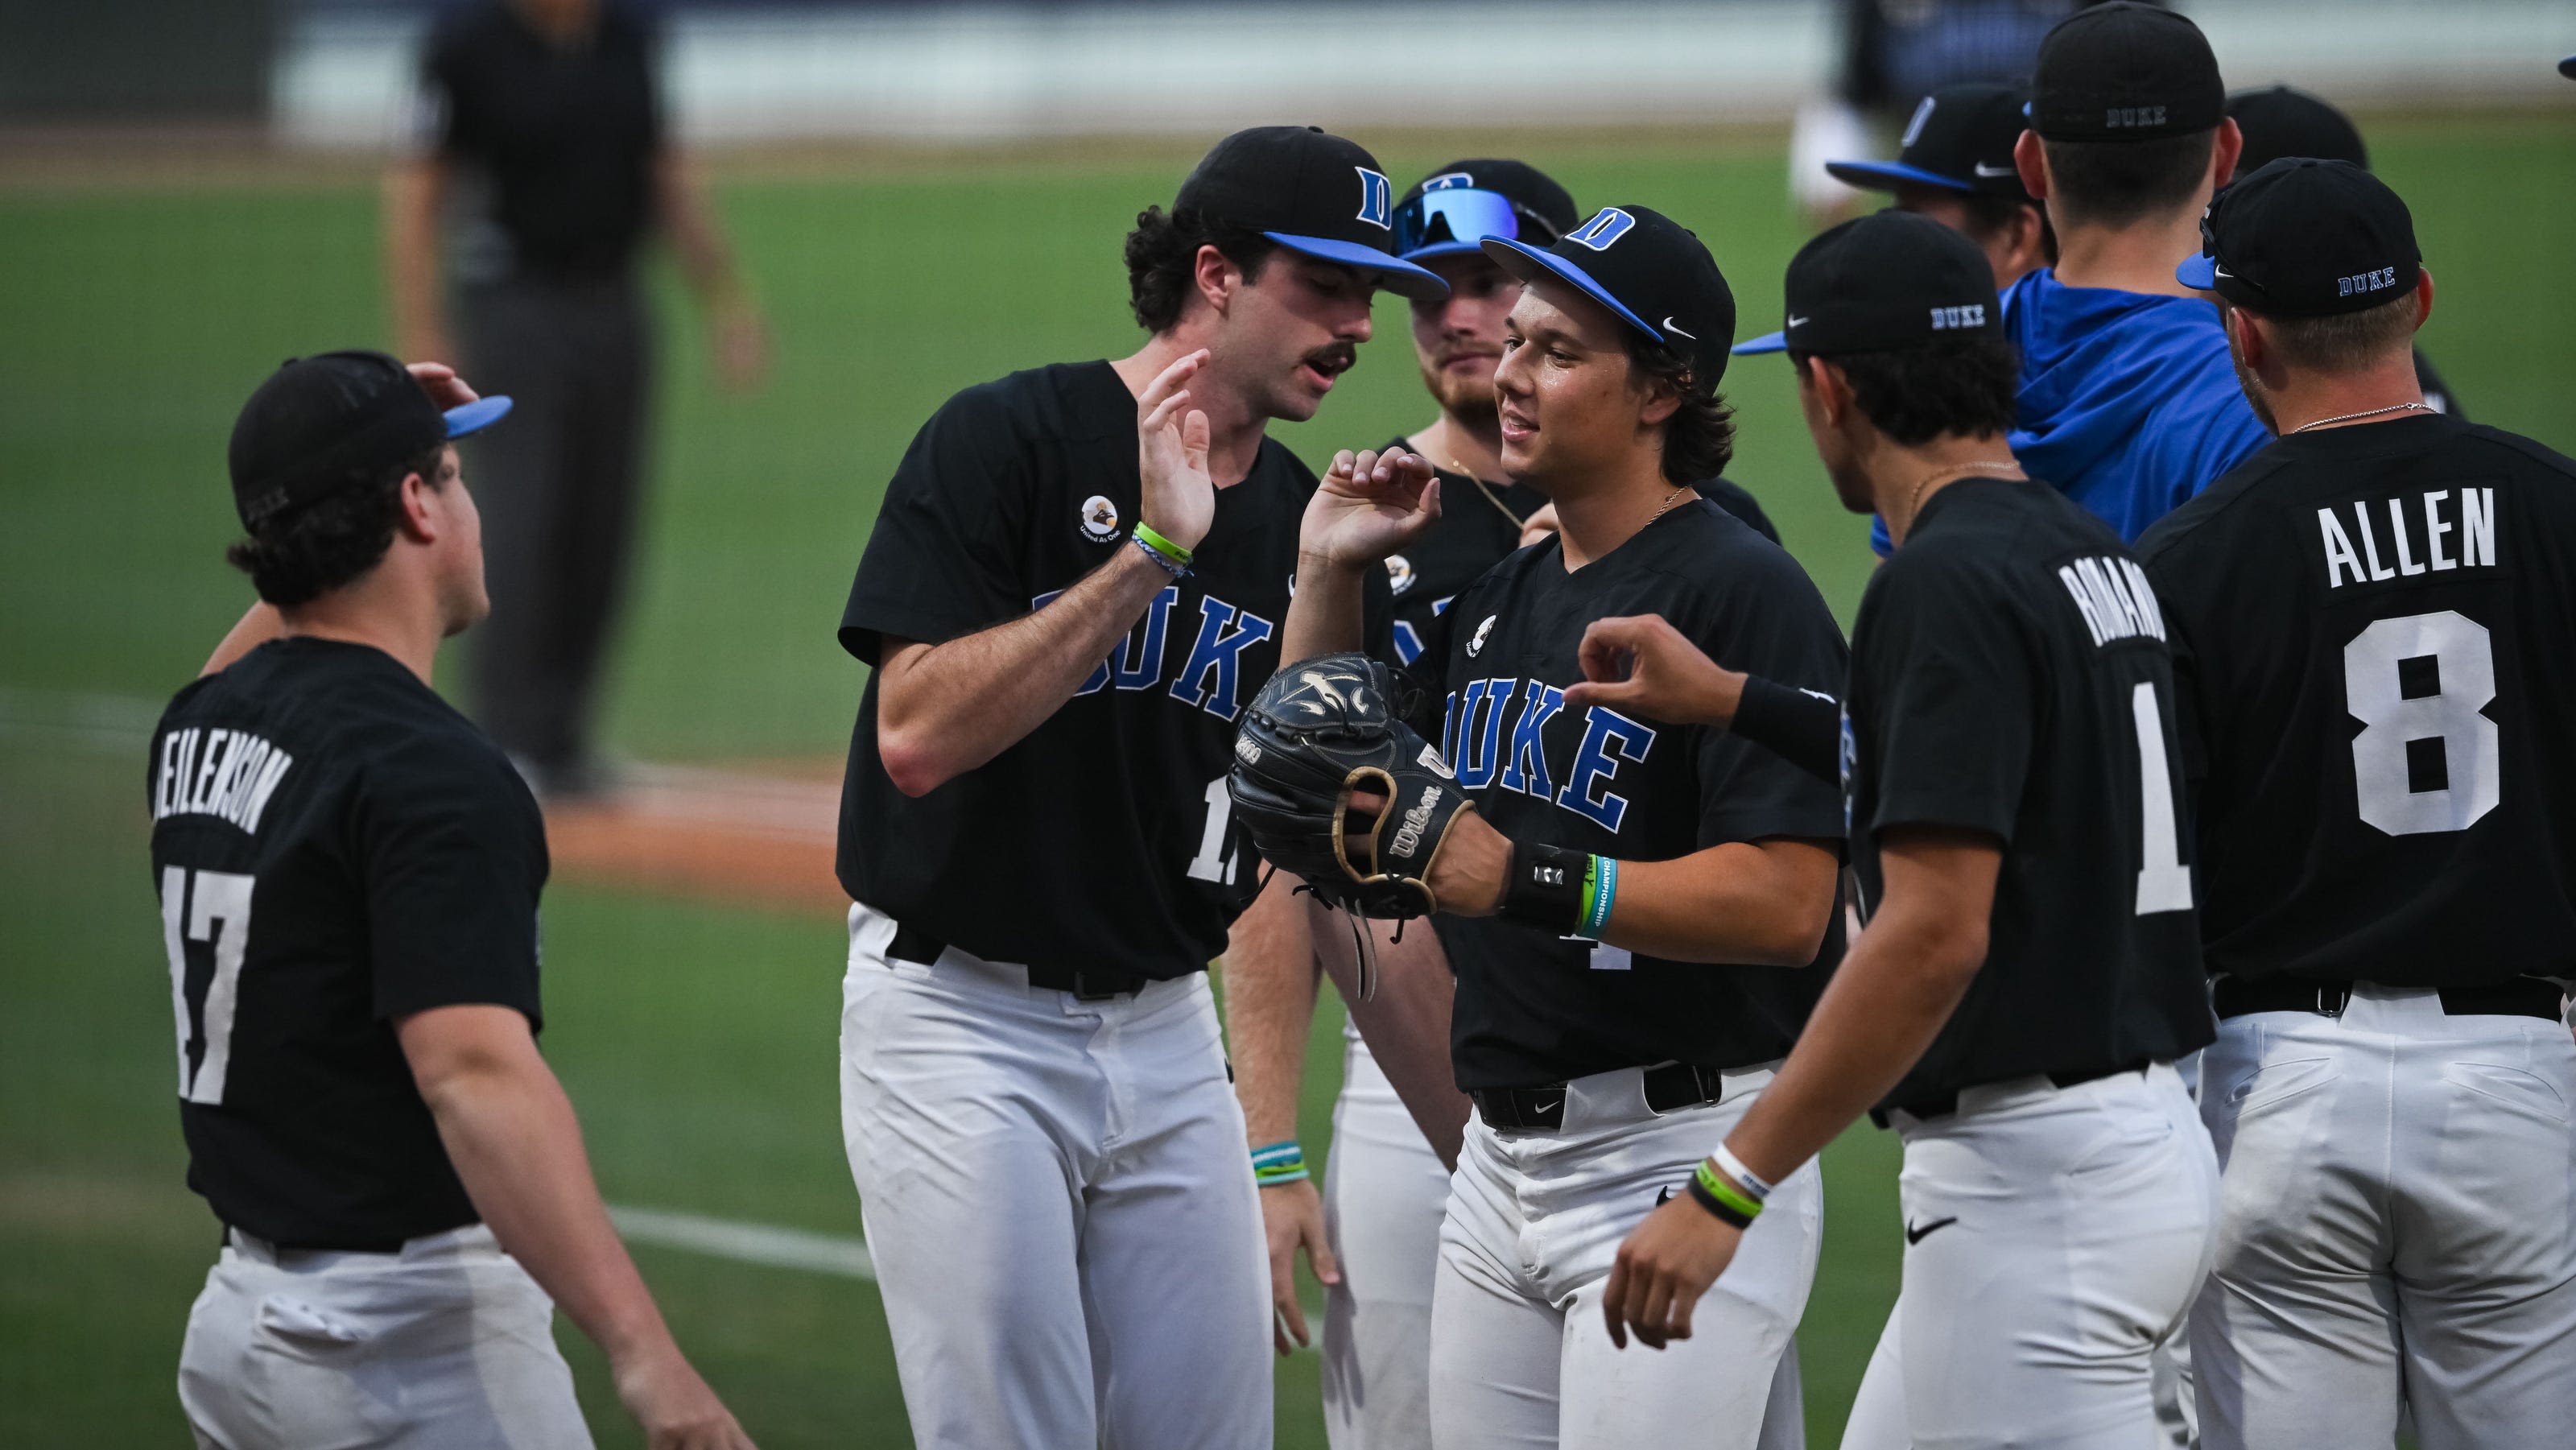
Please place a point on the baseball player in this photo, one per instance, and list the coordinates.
(2028, 971)
(2126, 403)
(1616, 874)
(2279, 121)
(1956, 166)
(348, 873)
(1036, 832)
(2372, 622)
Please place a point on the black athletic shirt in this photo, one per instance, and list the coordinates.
(562, 139)
(1102, 840)
(334, 848)
(1532, 1008)
(2375, 632)
(1472, 533)
(2010, 676)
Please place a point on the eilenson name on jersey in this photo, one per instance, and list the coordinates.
(226, 773)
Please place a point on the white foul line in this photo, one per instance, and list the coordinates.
(749, 1243)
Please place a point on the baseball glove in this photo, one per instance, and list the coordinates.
(1319, 730)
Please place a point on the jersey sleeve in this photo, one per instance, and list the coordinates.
(944, 559)
(1775, 625)
(1953, 700)
(453, 855)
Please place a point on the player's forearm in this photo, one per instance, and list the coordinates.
(1328, 614)
(1406, 1022)
(412, 194)
(257, 626)
(1270, 981)
(1766, 903)
(696, 241)
(944, 709)
(1899, 984)
(516, 1145)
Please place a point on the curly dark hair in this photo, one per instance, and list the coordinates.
(1957, 387)
(1162, 260)
(1699, 438)
(307, 552)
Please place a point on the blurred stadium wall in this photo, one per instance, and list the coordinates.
(337, 73)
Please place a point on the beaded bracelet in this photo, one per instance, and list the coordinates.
(1279, 1163)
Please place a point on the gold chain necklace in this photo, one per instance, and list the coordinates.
(1677, 492)
(2372, 413)
(1914, 499)
(1486, 491)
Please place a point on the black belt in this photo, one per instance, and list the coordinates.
(1087, 984)
(372, 1246)
(2233, 996)
(1673, 1085)
(1942, 1105)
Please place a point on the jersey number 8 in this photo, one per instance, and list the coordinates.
(2426, 759)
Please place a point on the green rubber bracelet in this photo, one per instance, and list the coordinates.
(1726, 1193)
(1162, 546)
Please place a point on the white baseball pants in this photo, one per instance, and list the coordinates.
(2399, 1229)
(1060, 1206)
(2055, 1236)
(1519, 1355)
(447, 1344)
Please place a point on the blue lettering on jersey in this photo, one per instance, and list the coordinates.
(1607, 739)
(1525, 769)
(1224, 633)
(1408, 644)
(1479, 746)
(1138, 664)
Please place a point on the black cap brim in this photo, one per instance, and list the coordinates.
(1392, 272)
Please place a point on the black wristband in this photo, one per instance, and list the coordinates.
(1804, 729)
(1546, 888)
(1723, 1213)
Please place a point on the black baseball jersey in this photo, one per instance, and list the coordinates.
(2010, 676)
(1532, 1008)
(335, 849)
(2375, 632)
(560, 140)
(1102, 840)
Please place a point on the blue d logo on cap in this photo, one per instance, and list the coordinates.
(1607, 225)
(1377, 198)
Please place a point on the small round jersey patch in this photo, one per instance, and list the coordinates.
(1399, 573)
(1099, 519)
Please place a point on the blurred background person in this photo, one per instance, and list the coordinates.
(2280, 121)
(1894, 53)
(545, 165)
(1957, 168)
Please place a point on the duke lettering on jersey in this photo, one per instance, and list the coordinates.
(215, 772)
(1211, 675)
(2419, 530)
(1533, 1008)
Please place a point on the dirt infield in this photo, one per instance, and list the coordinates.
(760, 834)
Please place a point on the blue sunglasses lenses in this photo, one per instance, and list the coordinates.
(1454, 215)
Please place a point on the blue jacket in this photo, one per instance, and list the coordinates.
(2128, 404)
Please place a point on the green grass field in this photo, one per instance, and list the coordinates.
(698, 1041)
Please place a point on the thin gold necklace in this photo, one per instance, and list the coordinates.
(1678, 491)
(1914, 499)
(1486, 491)
(2372, 413)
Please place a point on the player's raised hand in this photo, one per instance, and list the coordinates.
(1369, 505)
(1640, 665)
(1663, 1268)
(1292, 1217)
(1172, 455)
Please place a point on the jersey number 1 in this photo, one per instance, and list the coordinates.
(217, 910)
(2164, 882)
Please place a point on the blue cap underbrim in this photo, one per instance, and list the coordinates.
(1888, 175)
(1567, 272)
(1443, 249)
(2198, 272)
(1767, 342)
(476, 416)
(1393, 272)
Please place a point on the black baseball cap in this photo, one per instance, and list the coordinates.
(1960, 139)
(2283, 121)
(2123, 71)
(1883, 282)
(2306, 238)
(1639, 263)
(327, 422)
(2567, 67)
(1310, 192)
(1454, 208)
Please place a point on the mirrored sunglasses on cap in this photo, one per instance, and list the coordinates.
(1455, 219)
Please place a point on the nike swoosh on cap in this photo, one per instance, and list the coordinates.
(1671, 326)
(1797, 322)
(1984, 170)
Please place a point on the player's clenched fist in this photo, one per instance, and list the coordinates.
(1369, 505)
(1179, 496)
(1642, 667)
(1663, 1269)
